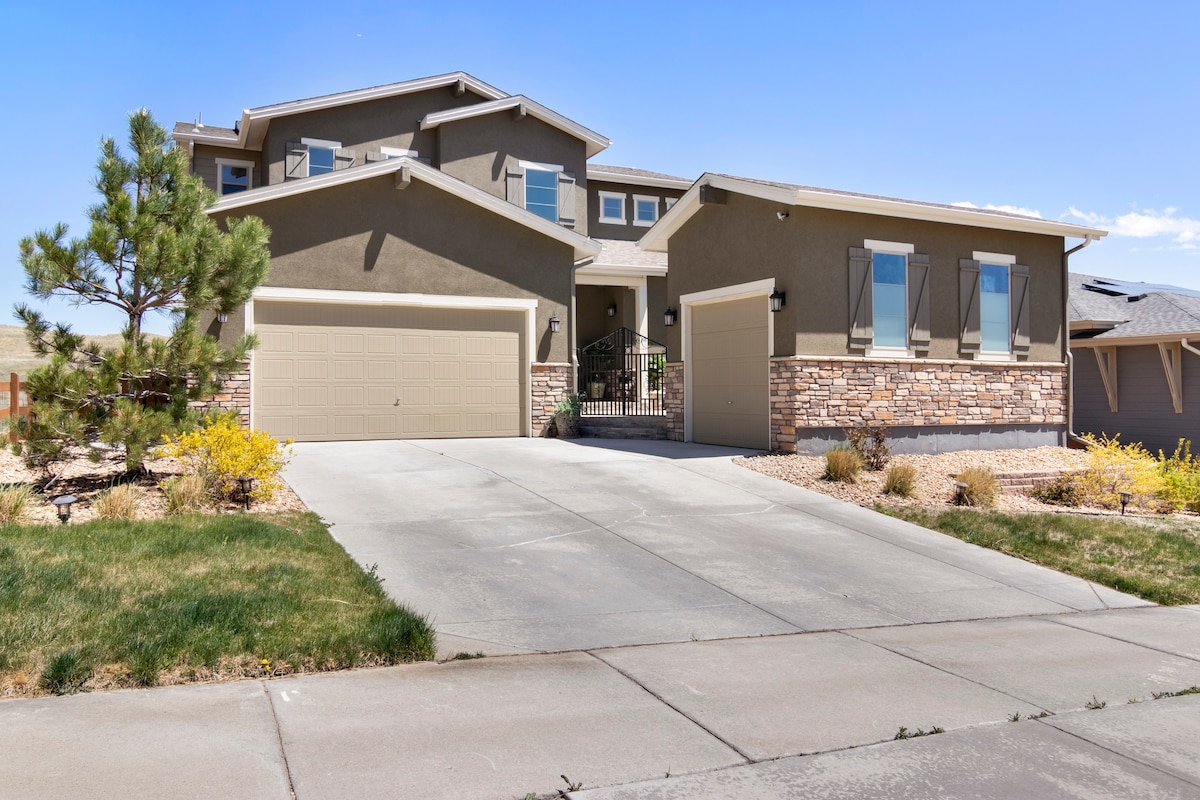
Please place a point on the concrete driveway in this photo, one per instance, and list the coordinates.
(523, 545)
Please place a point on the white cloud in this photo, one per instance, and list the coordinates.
(1025, 212)
(1146, 224)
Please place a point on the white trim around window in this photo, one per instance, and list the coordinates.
(607, 220)
(899, 248)
(537, 165)
(999, 259)
(233, 162)
(321, 143)
(397, 152)
(670, 202)
(645, 198)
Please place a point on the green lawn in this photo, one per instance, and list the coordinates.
(1158, 560)
(111, 604)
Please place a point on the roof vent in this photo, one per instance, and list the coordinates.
(1133, 298)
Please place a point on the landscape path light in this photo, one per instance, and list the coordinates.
(1124, 500)
(62, 504)
(247, 486)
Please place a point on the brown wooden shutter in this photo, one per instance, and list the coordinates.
(862, 326)
(374, 156)
(1018, 299)
(515, 187)
(342, 159)
(295, 162)
(918, 301)
(566, 199)
(968, 305)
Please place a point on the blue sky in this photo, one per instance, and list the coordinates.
(1076, 111)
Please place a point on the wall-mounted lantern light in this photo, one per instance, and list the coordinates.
(612, 309)
(669, 317)
(777, 300)
(555, 324)
(62, 505)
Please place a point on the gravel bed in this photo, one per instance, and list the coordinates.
(85, 478)
(935, 475)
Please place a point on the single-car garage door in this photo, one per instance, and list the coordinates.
(730, 373)
(341, 372)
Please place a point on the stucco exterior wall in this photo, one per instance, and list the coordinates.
(807, 256)
(481, 150)
(389, 122)
(368, 236)
(628, 231)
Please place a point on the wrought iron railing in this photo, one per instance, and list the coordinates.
(622, 375)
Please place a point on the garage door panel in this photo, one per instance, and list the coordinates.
(409, 379)
(729, 372)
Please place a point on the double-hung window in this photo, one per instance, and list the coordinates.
(889, 299)
(994, 306)
(309, 157)
(543, 189)
(234, 176)
(645, 210)
(612, 208)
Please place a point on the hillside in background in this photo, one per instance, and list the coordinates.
(15, 355)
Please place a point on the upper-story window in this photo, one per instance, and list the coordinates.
(315, 157)
(234, 176)
(671, 202)
(612, 208)
(645, 210)
(544, 189)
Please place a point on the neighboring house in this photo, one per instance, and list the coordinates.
(804, 311)
(427, 239)
(1135, 367)
(443, 253)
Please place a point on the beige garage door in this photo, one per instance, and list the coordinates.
(730, 373)
(332, 373)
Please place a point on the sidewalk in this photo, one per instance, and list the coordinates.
(810, 714)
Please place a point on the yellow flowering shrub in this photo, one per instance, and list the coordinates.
(1113, 468)
(222, 451)
(1181, 477)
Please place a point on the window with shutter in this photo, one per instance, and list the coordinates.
(566, 199)
(315, 157)
(295, 163)
(994, 306)
(968, 305)
(889, 299)
(918, 301)
(861, 331)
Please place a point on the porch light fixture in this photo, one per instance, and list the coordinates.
(669, 317)
(612, 309)
(777, 300)
(1124, 500)
(555, 324)
(247, 486)
(62, 504)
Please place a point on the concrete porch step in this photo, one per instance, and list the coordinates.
(633, 427)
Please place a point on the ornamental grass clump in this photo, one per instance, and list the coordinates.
(119, 502)
(13, 500)
(842, 464)
(1114, 468)
(186, 494)
(221, 451)
(980, 488)
(901, 480)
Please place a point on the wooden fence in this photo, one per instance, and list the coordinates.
(16, 388)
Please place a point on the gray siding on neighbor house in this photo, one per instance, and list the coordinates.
(1145, 412)
(628, 231)
(364, 127)
(807, 256)
(204, 163)
(368, 236)
(482, 150)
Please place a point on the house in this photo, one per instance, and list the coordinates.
(803, 311)
(1134, 348)
(438, 249)
(447, 261)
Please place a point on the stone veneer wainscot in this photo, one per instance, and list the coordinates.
(549, 383)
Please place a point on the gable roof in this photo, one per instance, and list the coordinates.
(593, 141)
(640, 177)
(252, 127)
(582, 245)
(791, 194)
(619, 256)
(1105, 309)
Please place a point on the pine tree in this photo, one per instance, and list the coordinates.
(150, 247)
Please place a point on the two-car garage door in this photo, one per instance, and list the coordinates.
(341, 372)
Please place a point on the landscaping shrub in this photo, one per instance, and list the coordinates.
(1181, 477)
(901, 480)
(186, 493)
(1062, 491)
(119, 502)
(980, 491)
(870, 442)
(222, 451)
(842, 464)
(1113, 468)
(13, 500)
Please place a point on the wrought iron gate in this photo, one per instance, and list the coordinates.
(622, 374)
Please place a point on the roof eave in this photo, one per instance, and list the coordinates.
(617, 177)
(594, 142)
(1105, 340)
(583, 246)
